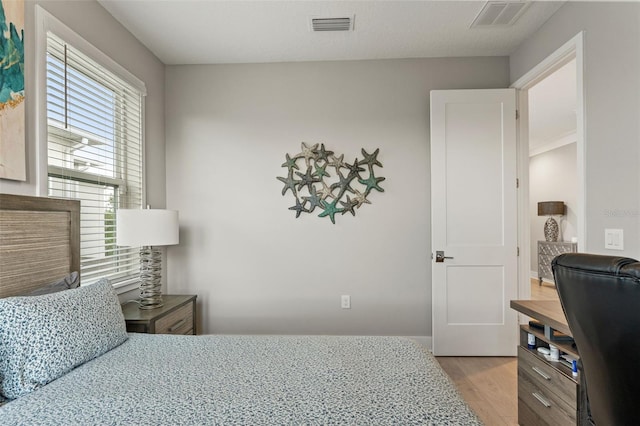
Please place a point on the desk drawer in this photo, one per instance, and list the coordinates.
(548, 407)
(179, 321)
(544, 376)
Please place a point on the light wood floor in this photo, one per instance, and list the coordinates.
(489, 384)
(543, 292)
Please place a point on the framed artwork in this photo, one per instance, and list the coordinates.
(12, 105)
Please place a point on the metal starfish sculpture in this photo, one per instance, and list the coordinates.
(314, 188)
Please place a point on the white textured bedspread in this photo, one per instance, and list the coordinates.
(249, 380)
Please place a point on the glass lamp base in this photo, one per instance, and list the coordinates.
(150, 275)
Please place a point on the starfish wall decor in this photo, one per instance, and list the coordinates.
(328, 182)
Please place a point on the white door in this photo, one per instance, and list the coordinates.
(474, 222)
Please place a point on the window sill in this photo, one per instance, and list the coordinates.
(125, 286)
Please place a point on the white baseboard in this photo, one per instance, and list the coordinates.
(534, 276)
(422, 340)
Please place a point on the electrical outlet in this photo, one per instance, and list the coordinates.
(345, 301)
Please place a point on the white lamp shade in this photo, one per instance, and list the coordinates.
(146, 227)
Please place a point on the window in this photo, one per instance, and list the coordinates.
(94, 146)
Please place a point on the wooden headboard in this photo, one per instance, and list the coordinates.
(39, 241)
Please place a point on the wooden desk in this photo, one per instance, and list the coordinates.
(548, 394)
(548, 312)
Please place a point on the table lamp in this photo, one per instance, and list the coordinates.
(148, 229)
(551, 208)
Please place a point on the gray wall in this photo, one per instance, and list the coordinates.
(553, 176)
(255, 267)
(92, 22)
(612, 101)
(258, 269)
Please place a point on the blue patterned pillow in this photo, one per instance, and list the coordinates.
(44, 337)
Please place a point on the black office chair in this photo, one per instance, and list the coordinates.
(600, 296)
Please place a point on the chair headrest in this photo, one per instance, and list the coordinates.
(610, 265)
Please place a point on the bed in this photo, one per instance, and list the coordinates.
(61, 363)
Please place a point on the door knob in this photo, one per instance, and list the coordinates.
(440, 257)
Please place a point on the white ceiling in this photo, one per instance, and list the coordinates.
(239, 31)
(222, 32)
(552, 110)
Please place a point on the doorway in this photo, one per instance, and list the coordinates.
(552, 166)
(543, 145)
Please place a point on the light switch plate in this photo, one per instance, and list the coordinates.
(614, 239)
(345, 301)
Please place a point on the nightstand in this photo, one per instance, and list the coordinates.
(547, 251)
(177, 316)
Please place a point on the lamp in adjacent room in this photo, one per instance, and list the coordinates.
(551, 208)
(148, 229)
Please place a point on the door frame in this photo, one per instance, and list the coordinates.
(573, 48)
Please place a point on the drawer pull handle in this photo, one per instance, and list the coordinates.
(177, 325)
(541, 373)
(542, 399)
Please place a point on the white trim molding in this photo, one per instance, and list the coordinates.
(567, 139)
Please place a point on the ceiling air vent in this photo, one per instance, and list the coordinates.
(332, 24)
(500, 13)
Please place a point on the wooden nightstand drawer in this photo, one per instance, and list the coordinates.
(179, 321)
(177, 316)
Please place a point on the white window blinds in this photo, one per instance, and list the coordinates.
(94, 122)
